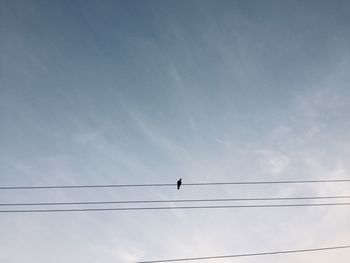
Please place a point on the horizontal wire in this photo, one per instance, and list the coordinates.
(175, 201)
(172, 185)
(248, 254)
(169, 208)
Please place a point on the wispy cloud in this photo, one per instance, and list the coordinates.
(118, 92)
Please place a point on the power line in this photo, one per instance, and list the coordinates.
(176, 201)
(248, 254)
(172, 184)
(170, 208)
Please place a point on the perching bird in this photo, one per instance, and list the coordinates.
(179, 184)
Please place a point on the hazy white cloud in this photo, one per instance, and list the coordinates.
(273, 163)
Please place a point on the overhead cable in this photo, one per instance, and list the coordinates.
(169, 208)
(172, 184)
(248, 254)
(177, 201)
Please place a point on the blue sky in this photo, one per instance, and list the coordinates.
(97, 92)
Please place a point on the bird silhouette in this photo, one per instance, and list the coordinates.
(179, 184)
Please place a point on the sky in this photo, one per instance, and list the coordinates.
(141, 92)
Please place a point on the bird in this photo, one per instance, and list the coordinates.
(179, 184)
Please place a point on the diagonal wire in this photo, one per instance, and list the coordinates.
(248, 254)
